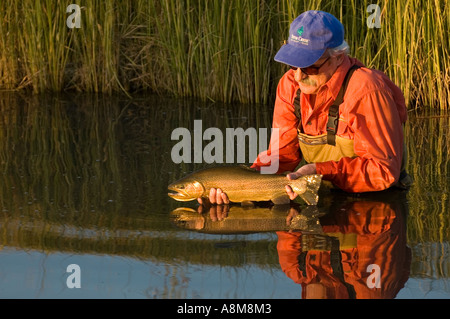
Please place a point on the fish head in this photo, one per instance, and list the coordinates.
(186, 190)
(187, 218)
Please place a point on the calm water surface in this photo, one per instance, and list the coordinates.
(84, 181)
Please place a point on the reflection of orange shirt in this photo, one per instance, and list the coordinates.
(380, 240)
(372, 115)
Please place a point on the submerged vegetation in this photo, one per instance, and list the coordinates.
(214, 50)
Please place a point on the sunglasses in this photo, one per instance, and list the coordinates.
(311, 70)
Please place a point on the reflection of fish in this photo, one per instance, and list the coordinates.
(248, 220)
(242, 184)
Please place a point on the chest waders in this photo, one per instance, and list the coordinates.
(329, 146)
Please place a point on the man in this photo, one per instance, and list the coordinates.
(357, 144)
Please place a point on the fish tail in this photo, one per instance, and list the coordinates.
(307, 187)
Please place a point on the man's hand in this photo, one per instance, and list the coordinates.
(216, 196)
(216, 213)
(308, 169)
(293, 212)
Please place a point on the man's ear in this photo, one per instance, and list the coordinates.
(341, 58)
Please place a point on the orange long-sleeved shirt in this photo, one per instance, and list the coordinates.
(372, 115)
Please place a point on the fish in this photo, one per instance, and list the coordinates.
(243, 184)
(246, 220)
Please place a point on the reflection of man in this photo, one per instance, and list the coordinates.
(363, 253)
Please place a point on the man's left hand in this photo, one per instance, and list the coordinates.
(308, 169)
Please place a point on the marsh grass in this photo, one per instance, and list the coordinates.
(213, 50)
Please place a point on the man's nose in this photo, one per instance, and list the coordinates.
(299, 75)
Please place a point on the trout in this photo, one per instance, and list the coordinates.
(244, 184)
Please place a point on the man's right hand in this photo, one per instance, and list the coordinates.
(216, 196)
(216, 212)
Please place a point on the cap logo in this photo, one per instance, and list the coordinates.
(299, 39)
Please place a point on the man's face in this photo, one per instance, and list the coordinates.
(325, 67)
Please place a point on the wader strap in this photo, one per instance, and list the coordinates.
(332, 124)
(333, 113)
(336, 265)
(302, 263)
(297, 107)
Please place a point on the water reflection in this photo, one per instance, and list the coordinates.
(362, 252)
(354, 247)
(228, 219)
(85, 178)
(88, 174)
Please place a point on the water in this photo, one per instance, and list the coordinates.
(84, 181)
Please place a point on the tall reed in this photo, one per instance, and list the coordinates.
(33, 38)
(214, 50)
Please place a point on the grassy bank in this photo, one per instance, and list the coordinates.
(216, 50)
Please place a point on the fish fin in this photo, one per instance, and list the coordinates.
(281, 199)
(311, 211)
(247, 203)
(249, 168)
(280, 209)
(307, 188)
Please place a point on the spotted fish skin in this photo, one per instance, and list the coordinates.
(242, 184)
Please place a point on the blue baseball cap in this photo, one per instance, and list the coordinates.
(310, 34)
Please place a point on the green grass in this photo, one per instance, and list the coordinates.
(214, 50)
